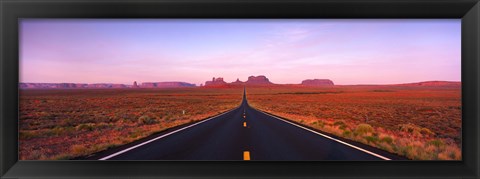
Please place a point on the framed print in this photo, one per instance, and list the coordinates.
(218, 88)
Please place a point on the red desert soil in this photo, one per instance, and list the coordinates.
(416, 121)
(62, 124)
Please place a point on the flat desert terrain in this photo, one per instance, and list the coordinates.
(419, 122)
(67, 123)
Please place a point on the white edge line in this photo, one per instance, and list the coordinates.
(331, 138)
(162, 136)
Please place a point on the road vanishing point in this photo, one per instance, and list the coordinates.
(245, 133)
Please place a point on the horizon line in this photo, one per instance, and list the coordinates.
(131, 84)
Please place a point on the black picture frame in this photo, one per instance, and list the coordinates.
(12, 10)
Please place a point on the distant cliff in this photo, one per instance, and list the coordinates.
(434, 83)
(173, 84)
(216, 82)
(69, 85)
(258, 80)
(317, 82)
(103, 85)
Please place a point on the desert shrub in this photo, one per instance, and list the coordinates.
(130, 119)
(333, 130)
(387, 139)
(371, 139)
(118, 128)
(68, 122)
(35, 155)
(78, 149)
(436, 143)
(412, 129)
(109, 146)
(347, 133)
(63, 157)
(57, 130)
(385, 146)
(68, 129)
(134, 134)
(406, 128)
(318, 123)
(363, 129)
(406, 150)
(147, 120)
(338, 123)
(27, 135)
(87, 126)
(450, 153)
(426, 132)
(103, 126)
(169, 117)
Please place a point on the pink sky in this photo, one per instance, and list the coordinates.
(286, 51)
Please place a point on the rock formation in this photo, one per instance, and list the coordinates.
(51, 85)
(172, 84)
(252, 81)
(215, 82)
(317, 82)
(106, 85)
(118, 86)
(100, 85)
(258, 80)
(434, 83)
(238, 82)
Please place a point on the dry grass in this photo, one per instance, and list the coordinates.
(62, 124)
(422, 123)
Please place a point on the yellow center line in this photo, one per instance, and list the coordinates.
(244, 124)
(246, 155)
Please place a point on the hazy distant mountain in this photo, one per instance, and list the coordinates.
(171, 84)
(216, 82)
(317, 82)
(433, 83)
(69, 85)
(103, 85)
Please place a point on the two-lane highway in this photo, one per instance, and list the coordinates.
(245, 133)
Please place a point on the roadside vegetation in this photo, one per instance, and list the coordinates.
(420, 123)
(63, 124)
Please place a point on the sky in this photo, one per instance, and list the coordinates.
(287, 51)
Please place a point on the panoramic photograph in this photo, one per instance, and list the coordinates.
(240, 89)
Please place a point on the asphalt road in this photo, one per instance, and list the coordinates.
(245, 133)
